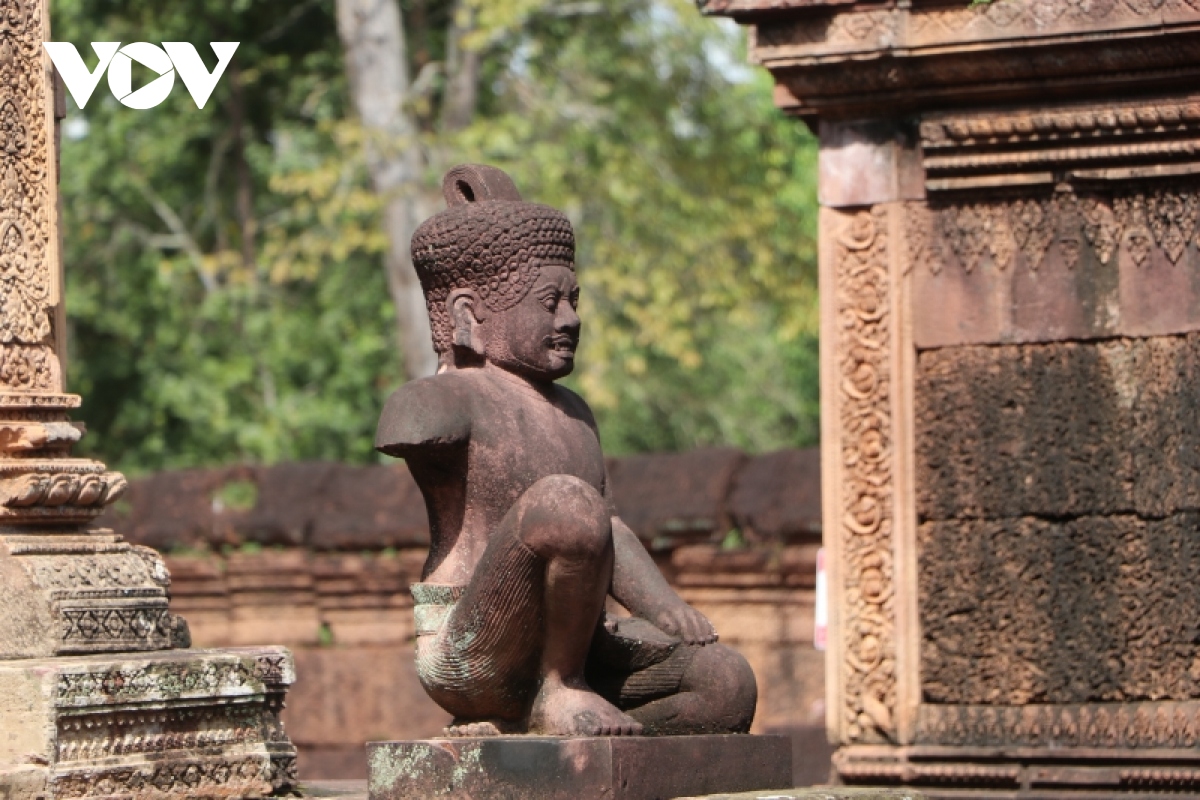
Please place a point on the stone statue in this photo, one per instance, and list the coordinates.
(512, 632)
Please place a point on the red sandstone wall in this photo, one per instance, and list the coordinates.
(322, 559)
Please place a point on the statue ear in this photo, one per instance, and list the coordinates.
(466, 316)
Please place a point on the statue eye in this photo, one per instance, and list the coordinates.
(550, 301)
(575, 299)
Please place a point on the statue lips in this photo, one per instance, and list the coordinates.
(562, 345)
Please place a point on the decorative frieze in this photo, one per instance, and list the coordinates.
(1135, 220)
(1149, 725)
(259, 670)
(1064, 124)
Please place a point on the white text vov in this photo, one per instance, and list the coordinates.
(165, 61)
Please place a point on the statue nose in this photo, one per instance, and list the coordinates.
(566, 320)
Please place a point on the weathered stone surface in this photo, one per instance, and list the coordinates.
(675, 496)
(778, 496)
(200, 723)
(612, 768)
(83, 593)
(1007, 431)
(1166, 425)
(1027, 610)
(863, 162)
(1059, 429)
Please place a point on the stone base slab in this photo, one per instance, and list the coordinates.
(820, 793)
(146, 726)
(599, 768)
(1044, 773)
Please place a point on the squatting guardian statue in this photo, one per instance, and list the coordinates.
(512, 633)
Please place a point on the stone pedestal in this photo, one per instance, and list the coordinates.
(1010, 352)
(181, 723)
(601, 768)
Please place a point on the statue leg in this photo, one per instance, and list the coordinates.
(512, 652)
(718, 694)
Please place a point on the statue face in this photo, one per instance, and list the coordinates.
(537, 337)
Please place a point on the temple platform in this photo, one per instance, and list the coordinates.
(146, 726)
(586, 768)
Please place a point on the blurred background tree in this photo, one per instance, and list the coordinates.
(234, 273)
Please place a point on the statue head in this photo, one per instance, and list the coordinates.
(499, 277)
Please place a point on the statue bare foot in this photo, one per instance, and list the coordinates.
(565, 710)
(461, 726)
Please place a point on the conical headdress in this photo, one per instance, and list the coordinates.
(488, 240)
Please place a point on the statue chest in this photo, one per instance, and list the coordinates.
(529, 441)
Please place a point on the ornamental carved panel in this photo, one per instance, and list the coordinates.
(1076, 261)
(863, 517)
(28, 240)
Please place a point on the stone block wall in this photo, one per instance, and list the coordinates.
(1057, 540)
(319, 557)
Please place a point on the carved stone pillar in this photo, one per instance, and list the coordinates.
(1010, 289)
(93, 699)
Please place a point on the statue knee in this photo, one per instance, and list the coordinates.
(562, 515)
(724, 678)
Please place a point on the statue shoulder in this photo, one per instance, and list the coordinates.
(575, 405)
(428, 412)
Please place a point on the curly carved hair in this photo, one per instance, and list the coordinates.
(488, 240)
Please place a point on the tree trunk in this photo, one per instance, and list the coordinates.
(372, 34)
(462, 71)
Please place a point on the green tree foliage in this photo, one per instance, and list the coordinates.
(224, 266)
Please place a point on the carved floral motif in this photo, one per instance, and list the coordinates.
(864, 320)
(1134, 221)
(26, 204)
(162, 681)
(923, 246)
(96, 571)
(27, 369)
